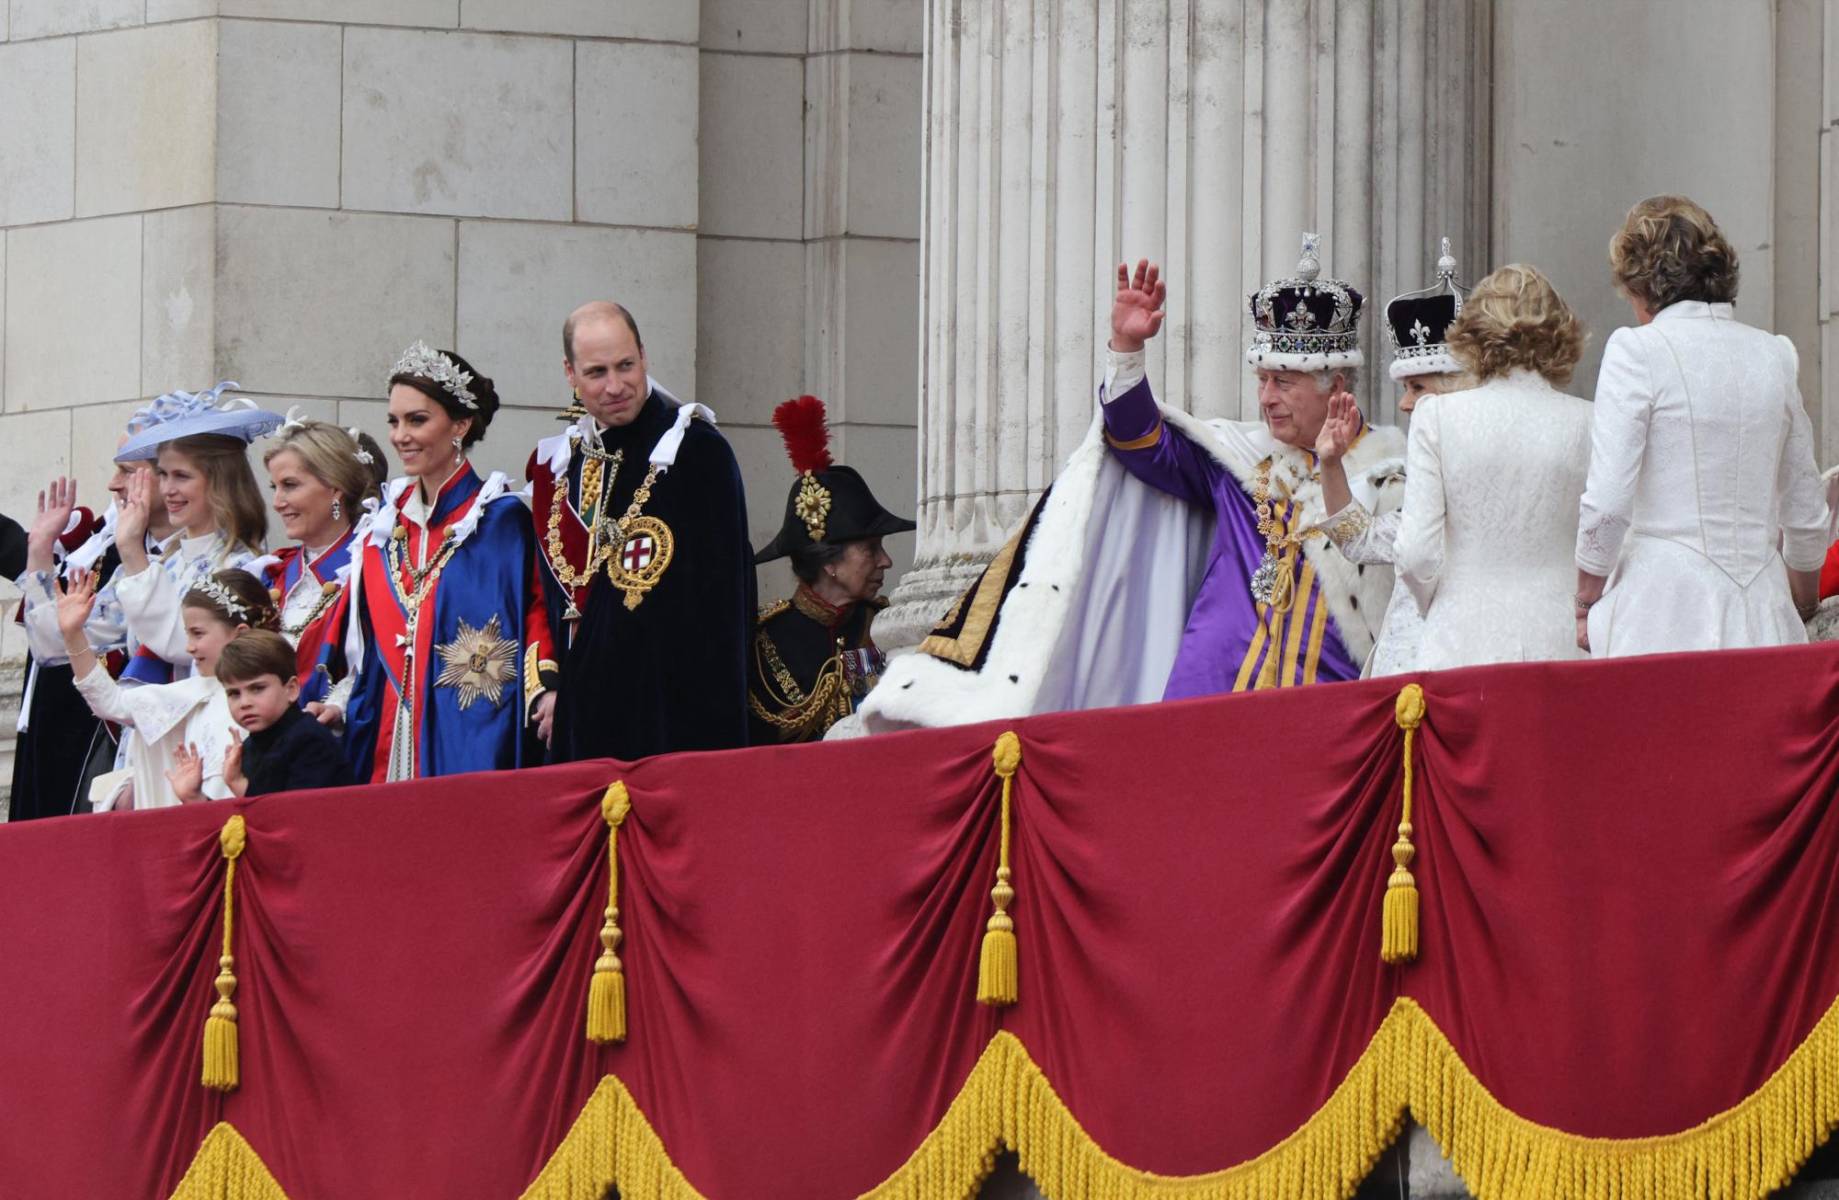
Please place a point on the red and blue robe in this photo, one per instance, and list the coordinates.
(465, 658)
(314, 644)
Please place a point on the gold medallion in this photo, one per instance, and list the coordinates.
(642, 558)
(479, 662)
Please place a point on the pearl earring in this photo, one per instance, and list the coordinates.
(456, 450)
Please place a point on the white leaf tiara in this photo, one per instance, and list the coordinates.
(364, 456)
(425, 362)
(223, 598)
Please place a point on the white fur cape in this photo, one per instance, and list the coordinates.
(1110, 574)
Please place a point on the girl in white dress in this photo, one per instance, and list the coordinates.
(182, 729)
(1491, 480)
(1703, 526)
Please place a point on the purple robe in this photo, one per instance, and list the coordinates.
(1230, 643)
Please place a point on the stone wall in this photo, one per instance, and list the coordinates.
(287, 192)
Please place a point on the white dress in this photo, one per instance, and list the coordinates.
(164, 717)
(150, 600)
(1368, 541)
(1492, 482)
(1702, 486)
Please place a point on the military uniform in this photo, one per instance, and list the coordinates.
(811, 663)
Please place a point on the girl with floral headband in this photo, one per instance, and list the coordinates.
(324, 480)
(445, 622)
(182, 729)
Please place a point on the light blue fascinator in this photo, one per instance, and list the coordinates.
(189, 414)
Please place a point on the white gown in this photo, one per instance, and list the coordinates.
(1371, 541)
(164, 717)
(1492, 482)
(1702, 487)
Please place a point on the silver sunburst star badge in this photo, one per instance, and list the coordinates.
(479, 662)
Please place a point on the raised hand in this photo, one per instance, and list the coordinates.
(134, 514)
(326, 714)
(75, 600)
(1136, 310)
(233, 776)
(186, 774)
(55, 504)
(1339, 428)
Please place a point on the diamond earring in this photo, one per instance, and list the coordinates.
(338, 514)
(457, 450)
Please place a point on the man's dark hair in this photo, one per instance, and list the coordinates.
(600, 308)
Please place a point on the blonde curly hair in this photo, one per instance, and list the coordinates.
(1669, 249)
(1516, 318)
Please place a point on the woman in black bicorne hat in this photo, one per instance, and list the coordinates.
(813, 657)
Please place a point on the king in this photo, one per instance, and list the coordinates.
(641, 527)
(1176, 556)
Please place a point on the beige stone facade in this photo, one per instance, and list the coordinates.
(288, 192)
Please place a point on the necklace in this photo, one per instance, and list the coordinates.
(328, 592)
(1274, 582)
(421, 579)
(597, 552)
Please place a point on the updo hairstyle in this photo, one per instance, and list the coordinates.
(1669, 249)
(331, 455)
(254, 606)
(484, 395)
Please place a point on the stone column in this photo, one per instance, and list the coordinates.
(1064, 135)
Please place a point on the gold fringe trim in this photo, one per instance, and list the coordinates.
(1744, 1153)
(611, 1145)
(227, 1168)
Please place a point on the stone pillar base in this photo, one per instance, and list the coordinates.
(925, 594)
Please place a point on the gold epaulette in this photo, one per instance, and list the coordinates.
(768, 612)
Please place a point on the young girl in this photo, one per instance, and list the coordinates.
(203, 479)
(323, 476)
(175, 723)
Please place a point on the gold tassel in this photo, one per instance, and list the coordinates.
(1398, 940)
(606, 994)
(997, 969)
(222, 1072)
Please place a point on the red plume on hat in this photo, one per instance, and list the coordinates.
(802, 424)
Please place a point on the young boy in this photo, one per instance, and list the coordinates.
(286, 749)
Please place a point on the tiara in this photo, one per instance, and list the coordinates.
(362, 455)
(223, 598)
(425, 362)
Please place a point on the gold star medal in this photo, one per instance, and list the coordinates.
(479, 662)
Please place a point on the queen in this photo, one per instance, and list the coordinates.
(445, 624)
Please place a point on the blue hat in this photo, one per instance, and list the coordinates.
(189, 414)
